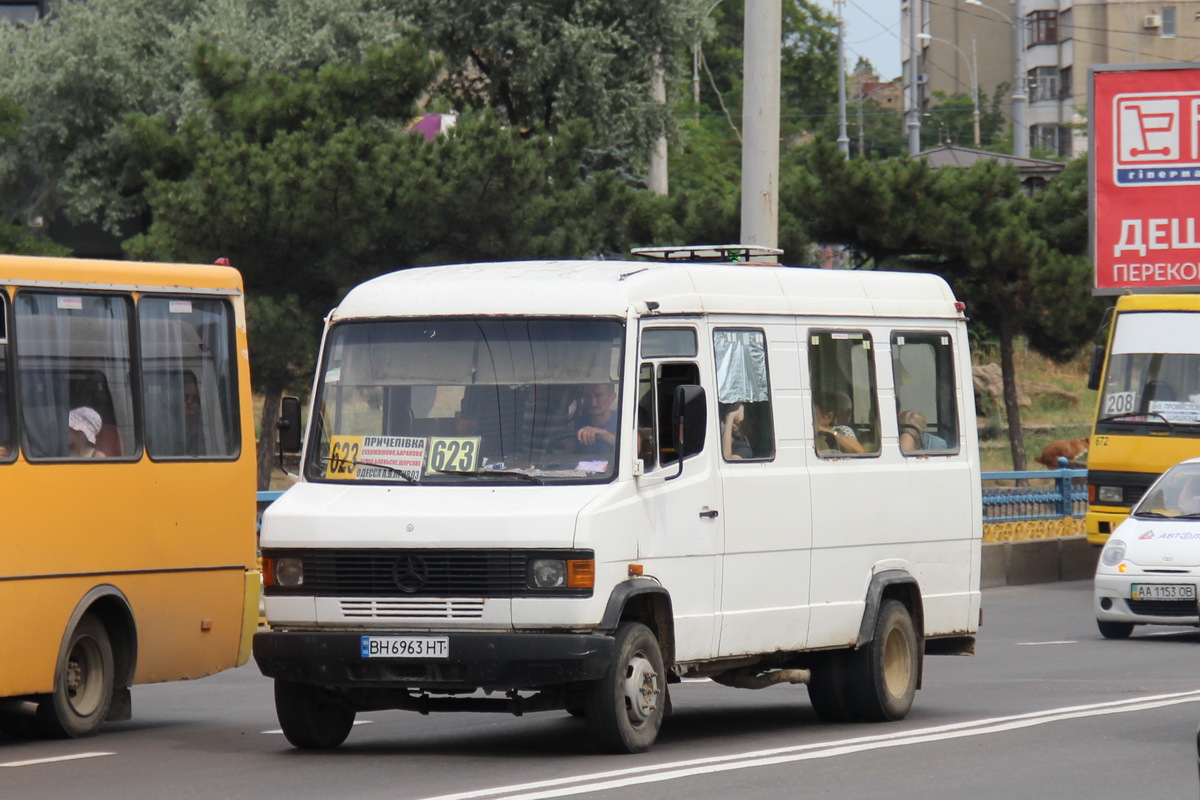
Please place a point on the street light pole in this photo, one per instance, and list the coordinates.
(925, 37)
(1020, 128)
(914, 112)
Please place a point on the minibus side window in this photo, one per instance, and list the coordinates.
(189, 385)
(845, 404)
(8, 449)
(743, 395)
(74, 373)
(926, 402)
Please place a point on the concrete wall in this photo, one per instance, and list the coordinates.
(1066, 558)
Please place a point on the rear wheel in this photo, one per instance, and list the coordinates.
(1114, 630)
(83, 684)
(885, 670)
(624, 709)
(312, 717)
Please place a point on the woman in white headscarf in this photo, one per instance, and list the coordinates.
(83, 425)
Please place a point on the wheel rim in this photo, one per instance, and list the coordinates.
(897, 663)
(84, 680)
(641, 689)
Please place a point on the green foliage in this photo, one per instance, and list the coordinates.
(79, 71)
(539, 64)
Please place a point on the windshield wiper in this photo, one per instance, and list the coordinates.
(1150, 514)
(1115, 417)
(487, 473)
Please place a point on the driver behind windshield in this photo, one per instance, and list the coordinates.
(596, 427)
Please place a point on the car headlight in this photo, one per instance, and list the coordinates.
(286, 572)
(1109, 494)
(1113, 554)
(547, 573)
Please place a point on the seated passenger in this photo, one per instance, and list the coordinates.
(83, 426)
(735, 444)
(830, 437)
(914, 433)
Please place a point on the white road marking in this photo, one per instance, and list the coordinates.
(1036, 644)
(35, 761)
(656, 773)
(279, 731)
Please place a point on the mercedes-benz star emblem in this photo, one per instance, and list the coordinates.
(410, 573)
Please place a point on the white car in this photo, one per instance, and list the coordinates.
(1150, 567)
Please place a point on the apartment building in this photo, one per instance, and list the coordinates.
(961, 44)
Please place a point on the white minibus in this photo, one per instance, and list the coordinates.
(569, 485)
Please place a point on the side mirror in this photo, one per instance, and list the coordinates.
(689, 421)
(1096, 367)
(289, 425)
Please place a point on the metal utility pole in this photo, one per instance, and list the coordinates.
(1020, 125)
(913, 122)
(760, 122)
(843, 140)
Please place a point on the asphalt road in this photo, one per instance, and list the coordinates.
(1047, 708)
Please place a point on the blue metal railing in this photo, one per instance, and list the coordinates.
(1054, 494)
(1051, 494)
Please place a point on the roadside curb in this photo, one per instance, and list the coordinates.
(1065, 558)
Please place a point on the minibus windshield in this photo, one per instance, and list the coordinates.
(437, 401)
(1153, 374)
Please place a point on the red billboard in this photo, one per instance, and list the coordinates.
(1145, 188)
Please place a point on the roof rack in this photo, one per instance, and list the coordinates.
(725, 253)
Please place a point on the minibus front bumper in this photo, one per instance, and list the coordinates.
(472, 660)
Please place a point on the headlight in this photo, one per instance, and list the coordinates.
(1109, 494)
(288, 571)
(1114, 553)
(547, 573)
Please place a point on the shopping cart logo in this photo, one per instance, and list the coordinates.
(1157, 139)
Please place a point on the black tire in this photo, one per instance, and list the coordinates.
(885, 670)
(312, 717)
(624, 709)
(829, 688)
(1114, 630)
(83, 684)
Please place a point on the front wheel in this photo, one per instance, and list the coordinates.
(312, 717)
(624, 709)
(83, 684)
(1114, 630)
(884, 682)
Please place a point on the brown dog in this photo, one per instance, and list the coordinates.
(1070, 449)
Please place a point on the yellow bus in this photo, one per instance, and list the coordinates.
(127, 552)
(1148, 408)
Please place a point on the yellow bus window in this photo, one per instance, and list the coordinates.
(74, 373)
(189, 377)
